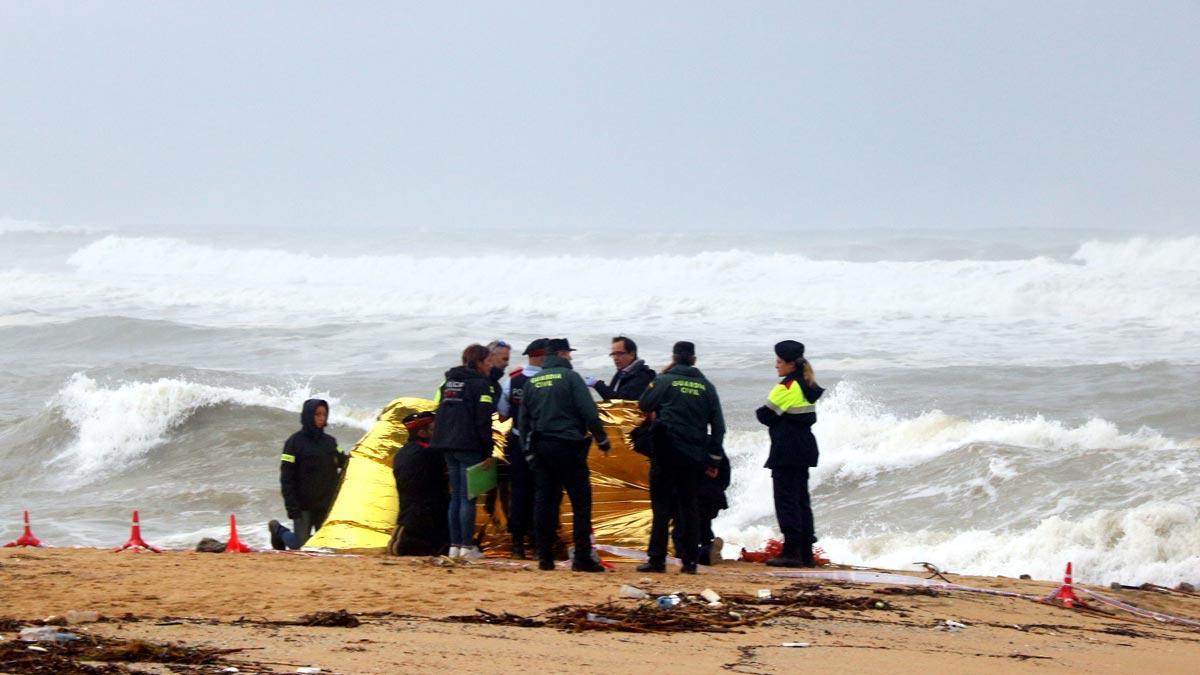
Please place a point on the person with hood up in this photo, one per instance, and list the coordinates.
(310, 470)
(687, 409)
(557, 412)
(789, 415)
(421, 483)
(632, 376)
(466, 401)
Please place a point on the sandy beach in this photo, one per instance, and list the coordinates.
(248, 602)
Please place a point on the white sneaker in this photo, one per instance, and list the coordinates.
(470, 553)
(454, 552)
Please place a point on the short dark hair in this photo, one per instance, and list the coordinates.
(685, 359)
(475, 354)
(629, 345)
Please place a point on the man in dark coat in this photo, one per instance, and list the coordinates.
(310, 470)
(632, 376)
(557, 412)
(422, 485)
(686, 406)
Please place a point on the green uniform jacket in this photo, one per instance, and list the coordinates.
(688, 405)
(557, 403)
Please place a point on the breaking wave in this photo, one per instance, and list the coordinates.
(983, 496)
(118, 425)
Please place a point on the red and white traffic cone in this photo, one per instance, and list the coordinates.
(235, 545)
(26, 539)
(1066, 593)
(136, 543)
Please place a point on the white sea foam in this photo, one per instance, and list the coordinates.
(120, 424)
(865, 447)
(728, 283)
(1155, 542)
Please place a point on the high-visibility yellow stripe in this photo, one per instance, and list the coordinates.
(485, 399)
(288, 458)
(789, 400)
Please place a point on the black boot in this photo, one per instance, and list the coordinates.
(588, 565)
(546, 564)
(652, 565)
(518, 551)
(688, 568)
(276, 539)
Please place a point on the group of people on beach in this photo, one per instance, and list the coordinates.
(555, 421)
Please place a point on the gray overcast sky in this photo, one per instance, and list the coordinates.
(589, 115)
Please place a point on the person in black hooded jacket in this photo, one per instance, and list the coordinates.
(463, 432)
(309, 473)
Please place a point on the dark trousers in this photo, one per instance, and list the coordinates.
(304, 527)
(705, 513)
(521, 492)
(793, 509)
(674, 479)
(561, 464)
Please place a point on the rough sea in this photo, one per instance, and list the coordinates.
(998, 403)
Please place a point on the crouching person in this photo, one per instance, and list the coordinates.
(422, 484)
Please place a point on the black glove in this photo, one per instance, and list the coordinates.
(603, 444)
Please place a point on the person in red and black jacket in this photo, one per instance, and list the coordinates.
(520, 474)
(422, 485)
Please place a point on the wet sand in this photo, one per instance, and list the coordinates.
(230, 601)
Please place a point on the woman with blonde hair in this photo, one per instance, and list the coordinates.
(789, 415)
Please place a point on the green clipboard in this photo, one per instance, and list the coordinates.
(480, 479)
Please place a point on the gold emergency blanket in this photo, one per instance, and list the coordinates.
(365, 511)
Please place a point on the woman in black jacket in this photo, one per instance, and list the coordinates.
(790, 413)
(466, 401)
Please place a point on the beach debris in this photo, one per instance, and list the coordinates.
(764, 594)
(952, 626)
(502, 619)
(46, 634)
(908, 590)
(1025, 577)
(933, 571)
(596, 618)
(210, 545)
(338, 619)
(84, 616)
(710, 595)
(632, 592)
(308, 670)
(92, 655)
(27, 539)
(667, 601)
(136, 543)
(796, 644)
(1186, 587)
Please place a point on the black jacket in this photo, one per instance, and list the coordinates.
(466, 401)
(423, 487)
(310, 467)
(688, 406)
(556, 403)
(792, 442)
(627, 384)
(711, 491)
